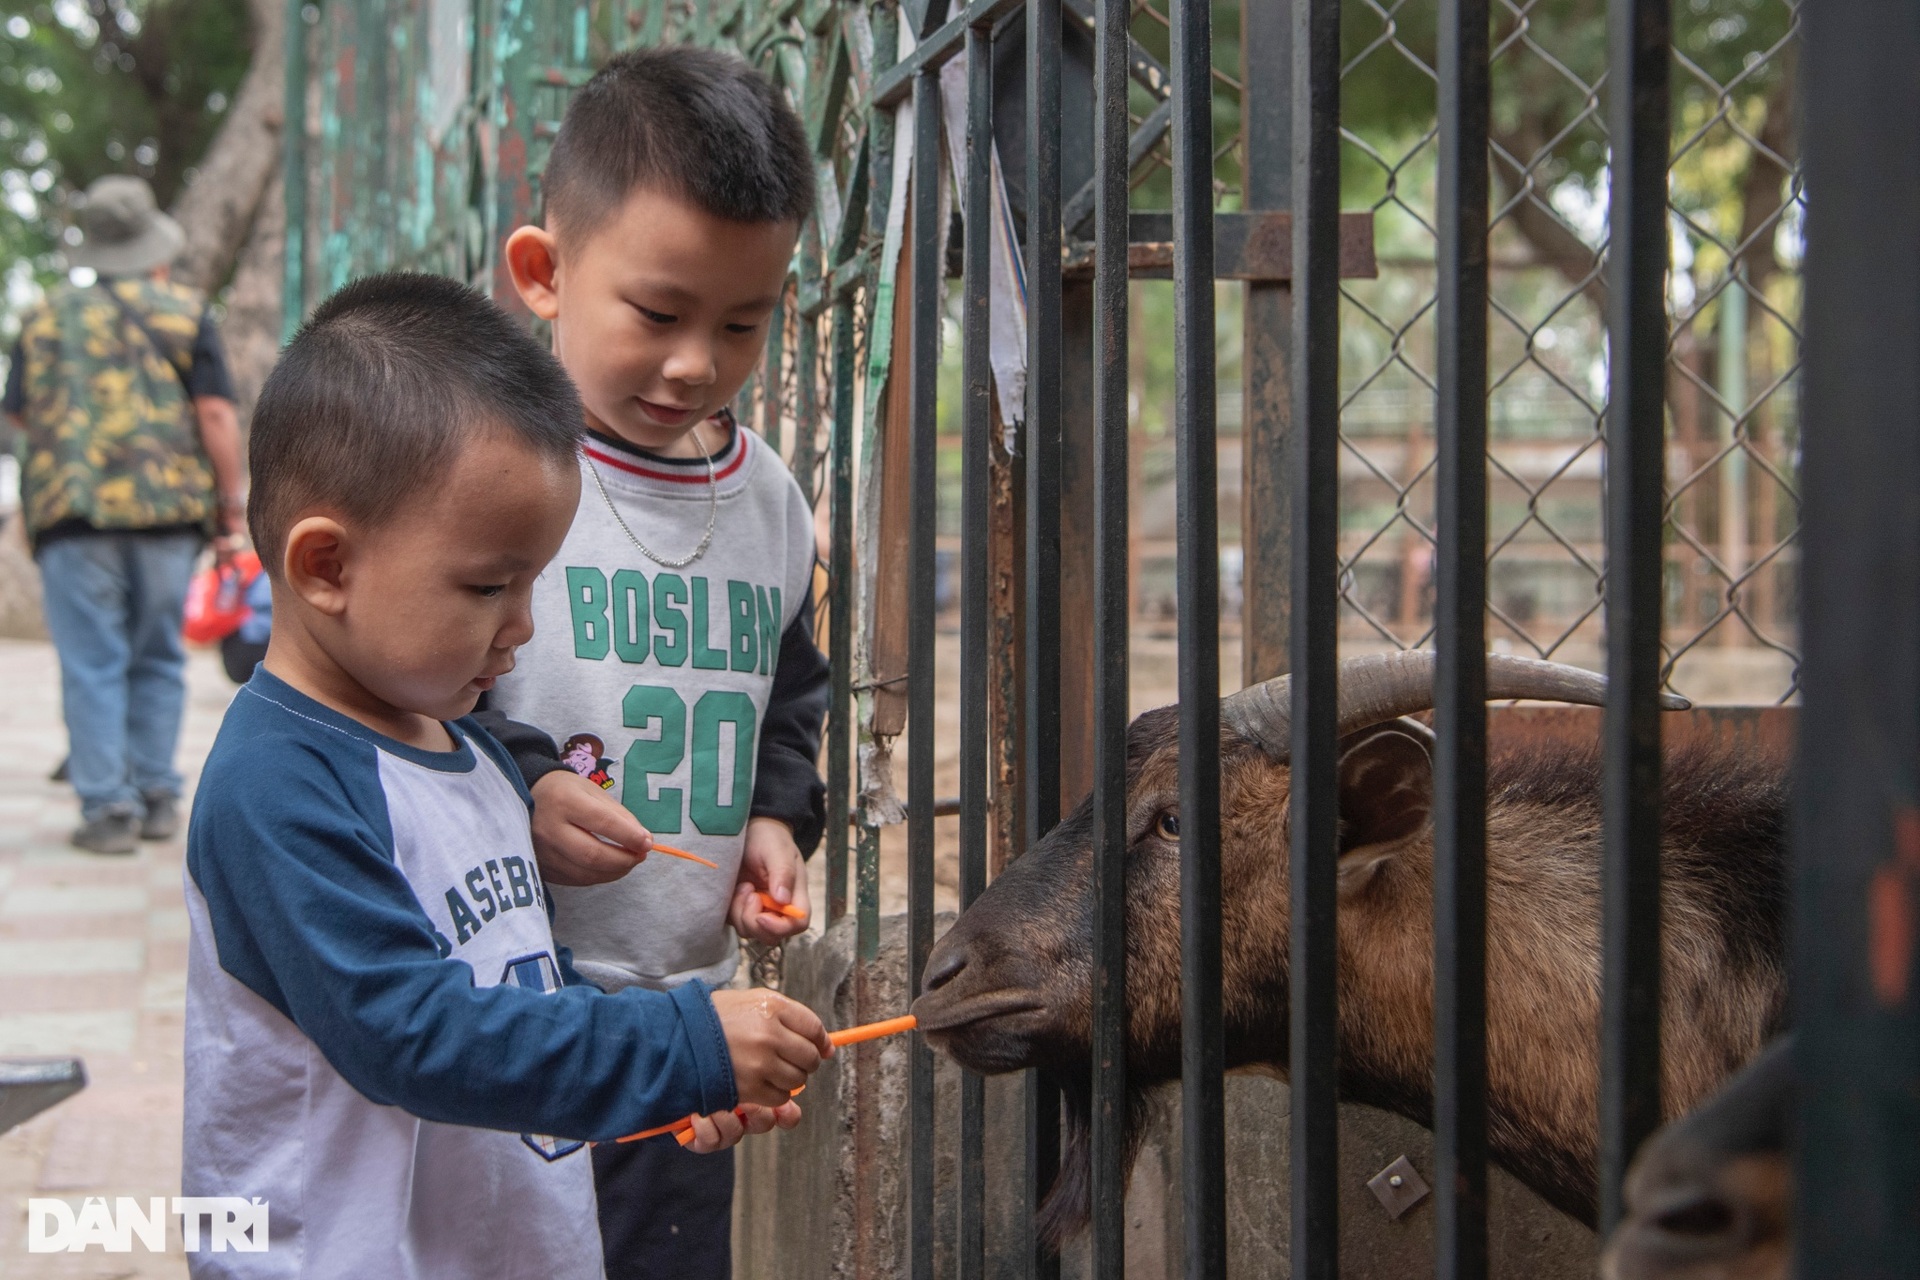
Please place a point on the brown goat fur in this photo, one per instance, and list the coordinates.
(1010, 986)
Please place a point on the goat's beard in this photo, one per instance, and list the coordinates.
(1068, 1207)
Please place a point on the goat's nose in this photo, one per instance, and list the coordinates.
(943, 967)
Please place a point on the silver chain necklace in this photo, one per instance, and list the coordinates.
(713, 511)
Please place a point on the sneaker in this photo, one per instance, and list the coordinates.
(163, 818)
(108, 833)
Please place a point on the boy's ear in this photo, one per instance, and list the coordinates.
(533, 259)
(314, 567)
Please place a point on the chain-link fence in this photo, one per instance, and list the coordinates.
(1736, 211)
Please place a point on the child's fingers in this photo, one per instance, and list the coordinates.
(611, 821)
(714, 1133)
(705, 1135)
(801, 900)
(758, 1119)
(768, 927)
(573, 856)
(805, 1024)
(786, 1115)
(778, 1079)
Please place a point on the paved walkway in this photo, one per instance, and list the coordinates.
(93, 962)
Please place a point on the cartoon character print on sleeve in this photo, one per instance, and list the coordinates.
(582, 755)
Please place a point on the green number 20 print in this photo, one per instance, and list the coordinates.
(717, 806)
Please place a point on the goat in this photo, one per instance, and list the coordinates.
(1010, 985)
(1710, 1197)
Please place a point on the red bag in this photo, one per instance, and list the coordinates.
(217, 600)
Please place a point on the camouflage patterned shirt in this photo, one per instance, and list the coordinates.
(112, 441)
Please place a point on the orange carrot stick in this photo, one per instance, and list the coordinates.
(682, 853)
(682, 1129)
(683, 1124)
(787, 909)
(873, 1030)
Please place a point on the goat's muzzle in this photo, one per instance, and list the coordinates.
(982, 1004)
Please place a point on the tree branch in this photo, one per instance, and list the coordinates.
(1553, 242)
(252, 328)
(242, 161)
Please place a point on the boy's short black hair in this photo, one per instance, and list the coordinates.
(695, 123)
(379, 389)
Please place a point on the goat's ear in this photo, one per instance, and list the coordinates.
(1386, 795)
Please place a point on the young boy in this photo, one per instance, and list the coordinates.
(383, 1041)
(674, 651)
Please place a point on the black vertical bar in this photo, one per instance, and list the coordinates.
(1315, 648)
(923, 454)
(1202, 1047)
(1641, 39)
(1460, 633)
(840, 613)
(1042, 441)
(1043, 417)
(975, 516)
(1857, 825)
(1111, 638)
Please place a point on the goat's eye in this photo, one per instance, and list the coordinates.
(1167, 826)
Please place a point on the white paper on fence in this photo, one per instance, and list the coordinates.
(1007, 318)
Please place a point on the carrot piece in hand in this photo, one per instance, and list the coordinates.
(787, 909)
(682, 853)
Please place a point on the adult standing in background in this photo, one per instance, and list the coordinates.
(131, 463)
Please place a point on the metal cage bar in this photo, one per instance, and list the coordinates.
(975, 594)
(1111, 639)
(1460, 634)
(1641, 49)
(1041, 678)
(840, 611)
(928, 286)
(1857, 821)
(1202, 1042)
(1316, 550)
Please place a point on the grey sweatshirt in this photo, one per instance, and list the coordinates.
(656, 682)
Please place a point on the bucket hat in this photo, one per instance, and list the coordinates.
(124, 231)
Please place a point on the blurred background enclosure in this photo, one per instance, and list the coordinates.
(421, 130)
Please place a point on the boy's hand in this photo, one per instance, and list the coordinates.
(573, 822)
(770, 863)
(722, 1129)
(775, 1044)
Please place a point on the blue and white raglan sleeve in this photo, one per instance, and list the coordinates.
(310, 912)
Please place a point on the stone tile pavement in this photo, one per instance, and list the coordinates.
(93, 960)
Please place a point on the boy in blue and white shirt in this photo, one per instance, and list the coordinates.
(383, 1041)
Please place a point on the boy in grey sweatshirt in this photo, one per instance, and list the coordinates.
(672, 686)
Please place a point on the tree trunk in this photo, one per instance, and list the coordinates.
(252, 328)
(242, 161)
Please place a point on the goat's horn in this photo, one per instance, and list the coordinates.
(1384, 686)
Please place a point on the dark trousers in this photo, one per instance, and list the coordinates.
(665, 1213)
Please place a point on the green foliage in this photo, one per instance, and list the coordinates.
(1549, 71)
(91, 87)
